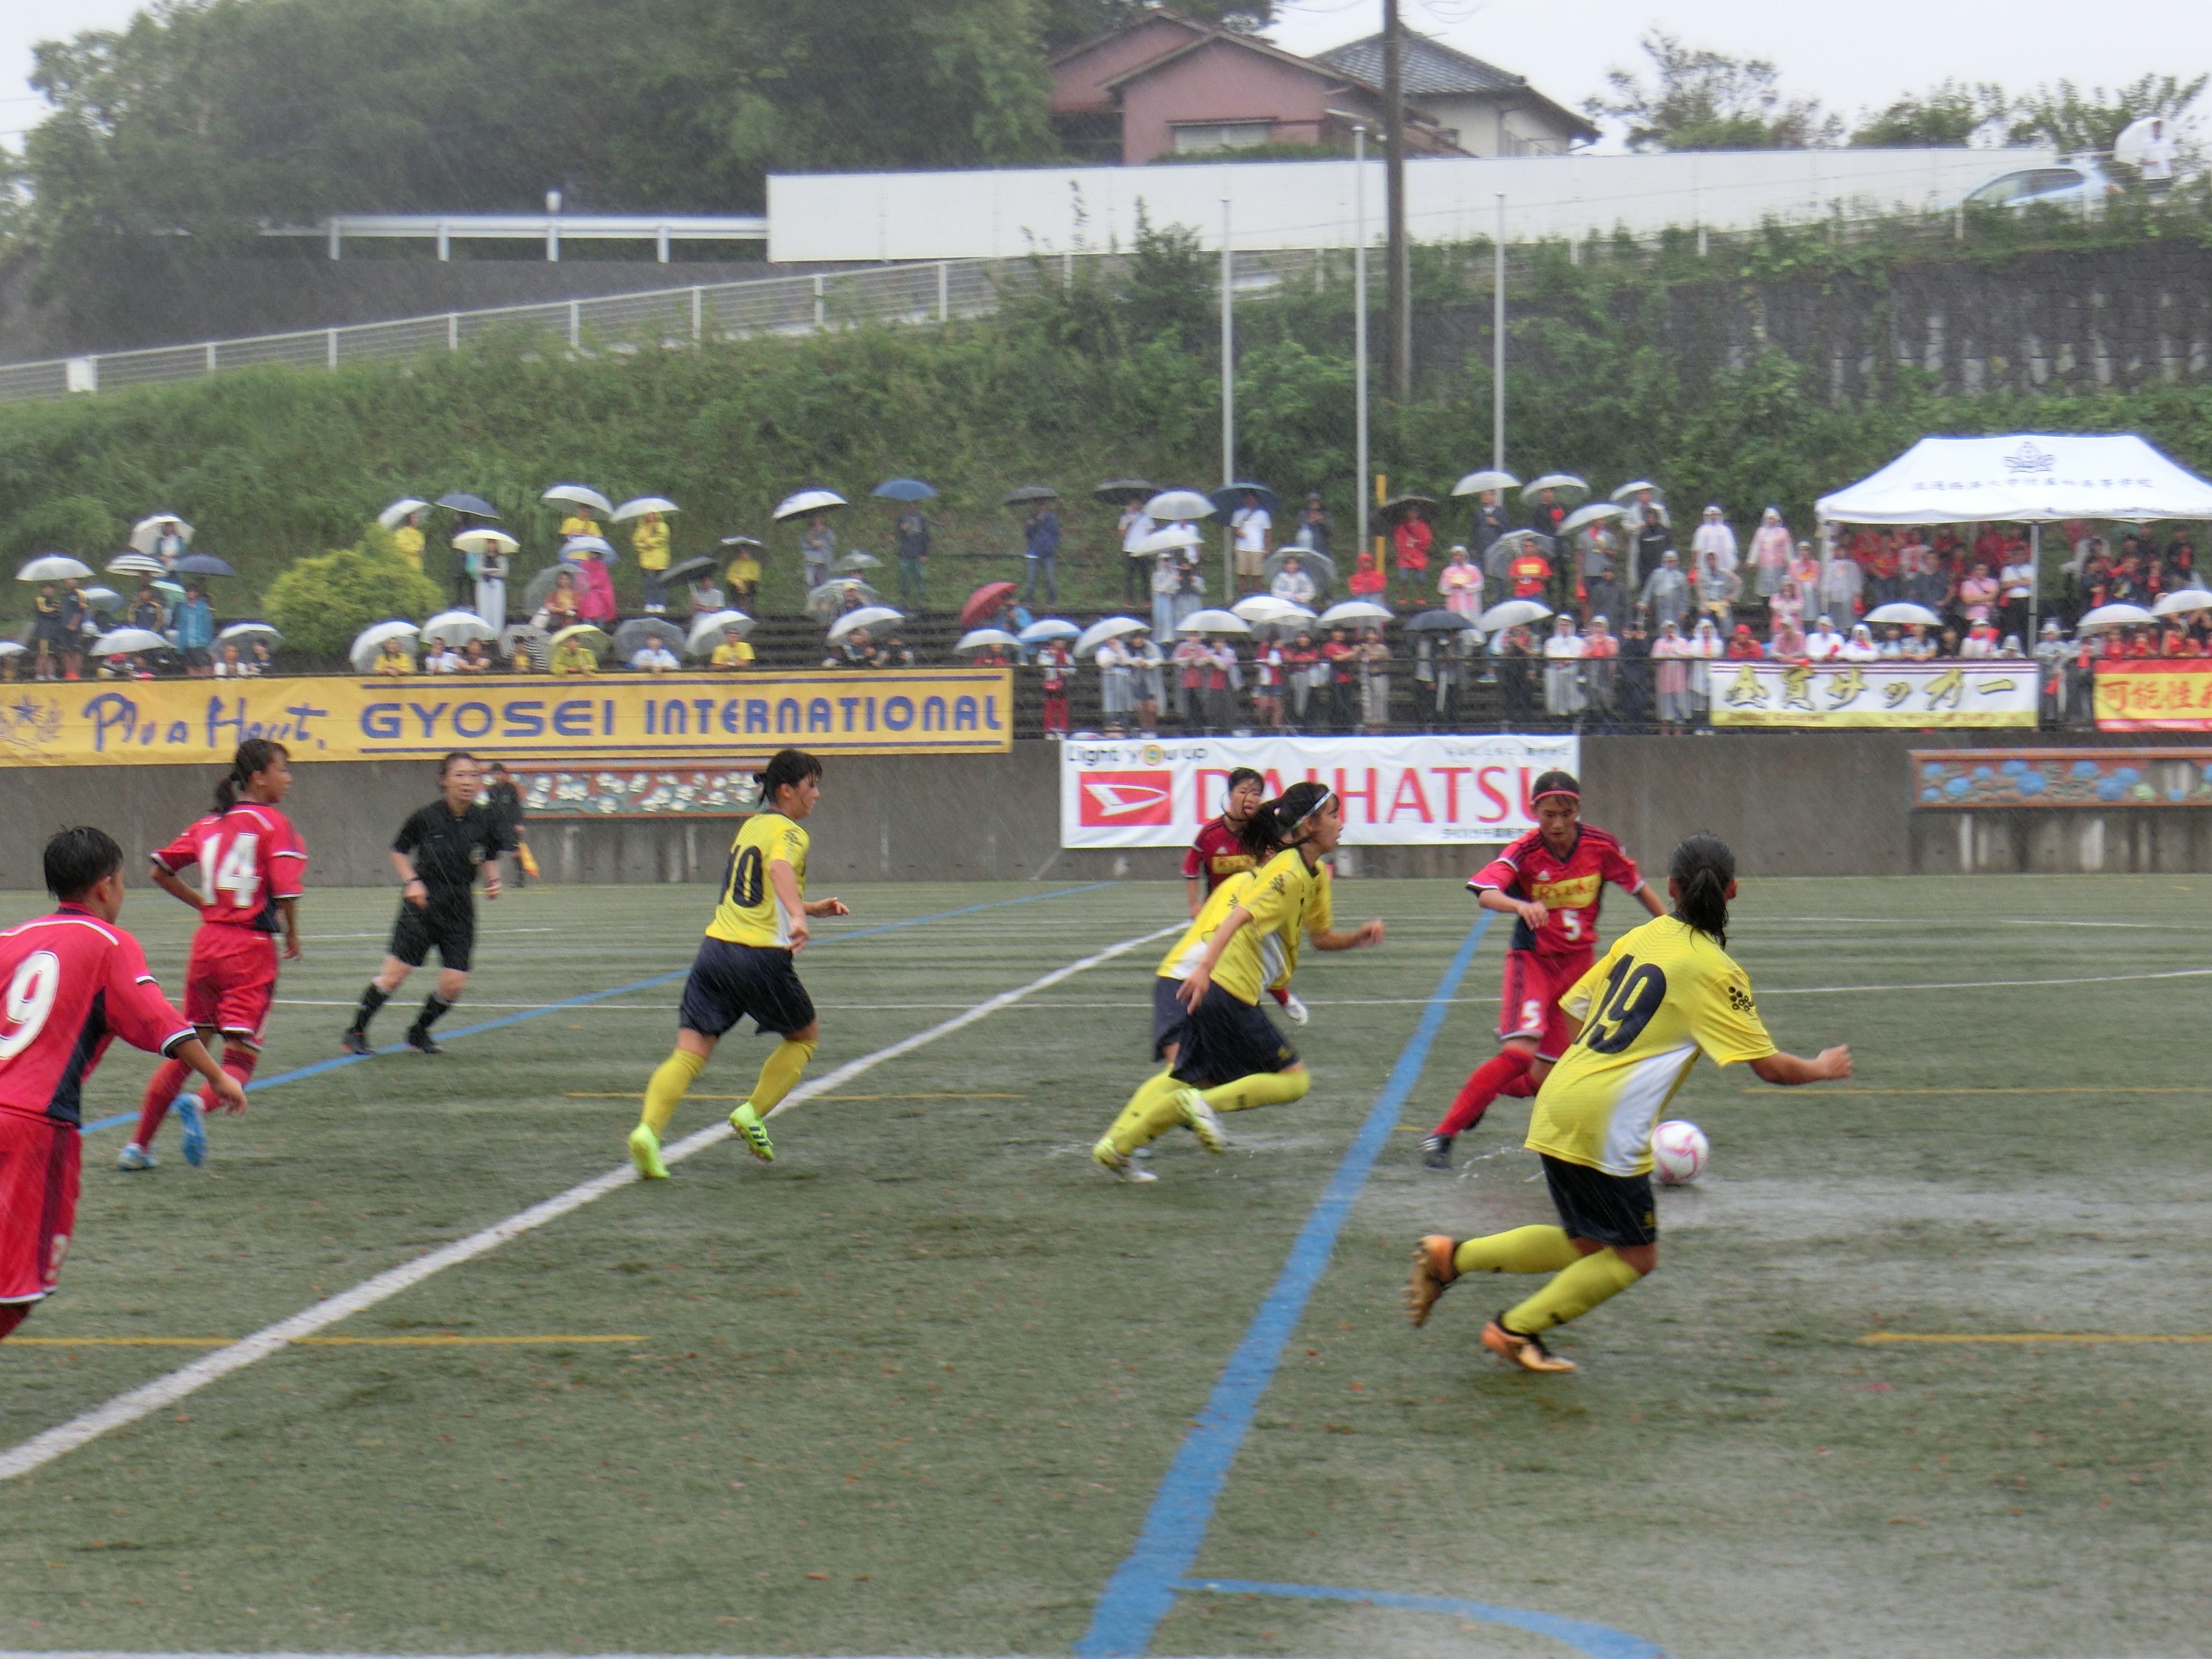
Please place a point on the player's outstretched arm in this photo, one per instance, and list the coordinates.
(1829, 1066)
(1531, 911)
(229, 1093)
(828, 907)
(1649, 900)
(1359, 938)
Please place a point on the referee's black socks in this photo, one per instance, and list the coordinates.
(371, 999)
(433, 1010)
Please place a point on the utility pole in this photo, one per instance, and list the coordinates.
(1228, 392)
(1393, 147)
(1498, 345)
(1360, 317)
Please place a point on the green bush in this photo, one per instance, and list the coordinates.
(321, 603)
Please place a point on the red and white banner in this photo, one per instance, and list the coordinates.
(1401, 792)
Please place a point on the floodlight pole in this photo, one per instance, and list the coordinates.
(1228, 394)
(1498, 345)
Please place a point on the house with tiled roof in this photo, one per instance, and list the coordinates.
(1487, 111)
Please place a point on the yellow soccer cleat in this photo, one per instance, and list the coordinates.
(645, 1152)
(1432, 1272)
(750, 1130)
(1529, 1352)
(1119, 1164)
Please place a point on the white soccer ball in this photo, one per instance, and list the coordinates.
(1679, 1151)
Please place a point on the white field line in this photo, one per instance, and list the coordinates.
(165, 1391)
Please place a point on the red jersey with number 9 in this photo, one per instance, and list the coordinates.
(68, 984)
(249, 859)
(1569, 888)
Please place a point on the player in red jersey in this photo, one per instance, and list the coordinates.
(70, 983)
(1219, 854)
(1550, 881)
(253, 870)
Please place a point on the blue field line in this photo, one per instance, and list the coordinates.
(1599, 1641)
(1143, 1588)
(337, 1061)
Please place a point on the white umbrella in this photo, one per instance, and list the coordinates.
(52, 568)
(1166, 541)
(105, 598)
(868, 616)
(1514, 613)
(12, 648)
(458, 627)
(590, 635)
(581, 495)
(1903, 613)
(143, 532)
(1172, 504)
(1559, 484)
(1622, 494)
(706, 631)
(124, 641)
(2113, 616)
(136, 564)
(825, 602)
(396, 514)
(482, 538)
(1596, 513)
(1265, 608)
(1107, 628)
(1049, 628)
(1212, 622)
(857, 560)
(575, 547)
(370, 640)
(1355, 610)
(241, 632)
(805, 501)
(976, 638)
(531, 640)
(643, 504)
(2174, 604)
(1475, 483)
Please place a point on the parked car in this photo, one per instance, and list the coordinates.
(2081, 184)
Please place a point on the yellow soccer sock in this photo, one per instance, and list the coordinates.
(1150, 1114)
(780, 1073)
(1572, 1293)
(1524, 1251)
(665, 1092)
(1260, 1089)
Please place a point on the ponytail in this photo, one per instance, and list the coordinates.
(254, 754)
(1274, 824)
(1702, 869)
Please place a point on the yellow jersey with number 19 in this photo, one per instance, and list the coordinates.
(750, 913)
(1663, 995)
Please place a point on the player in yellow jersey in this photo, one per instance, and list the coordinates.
(1665, 994)
(744, 966)
(1222, 1054)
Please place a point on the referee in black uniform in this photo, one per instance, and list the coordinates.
(437, 853)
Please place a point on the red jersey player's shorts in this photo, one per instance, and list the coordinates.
(37, 1202)
(232, 977)
(1528, 1004)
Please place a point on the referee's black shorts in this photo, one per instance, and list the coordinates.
(1224, 1039)
(447, 920)
(1592, 1204)
(729, 981)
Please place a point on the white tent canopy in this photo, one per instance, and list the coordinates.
(2024, 478)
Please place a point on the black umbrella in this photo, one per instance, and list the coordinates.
(1028, 493)
(1230, 497)
(1125, 489)
(1439, 622)
(474, 505)
(1398, 506)
(685, 569)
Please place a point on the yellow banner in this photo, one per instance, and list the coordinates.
(1836, 694)
(536, 720)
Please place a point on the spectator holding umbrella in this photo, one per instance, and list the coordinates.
(1115, 697)
(1167, 583)
(577, 522)
(73, 616)
(911, 536)
(1133, 525)
(817, 548)
(1608, 597)
(560, 608)
(1529, 572)
(1252, 525)
(1340, 660)
(1548, 514)
(1221, 676)
(147, 610)
(595, 596)
(1649, 531)
(650, 542)
(1294, 586)
(1375, 681)
(744, 571)
(1299, 659)
(1147, 669)
(392, 660)
(1410, 541)
(1269, 667)
(1488, 522)
(1192, 654)
(1312, 532)
(1041, 553)
(1053, 663)
(196, 632)
(407, 540)
(46, 630)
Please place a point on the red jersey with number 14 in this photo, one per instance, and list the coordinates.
(69, 984)
(249, 858)
(1569, 888)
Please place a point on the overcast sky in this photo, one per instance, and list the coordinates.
(1854, 55)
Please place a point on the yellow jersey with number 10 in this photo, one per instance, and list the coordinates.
(1664, 994)
(750, 913)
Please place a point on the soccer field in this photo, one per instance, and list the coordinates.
(927, 1385)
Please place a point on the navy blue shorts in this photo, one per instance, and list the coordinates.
(730, 981)
(1609, 1208)
(1169, 1015)
(1225, 1039)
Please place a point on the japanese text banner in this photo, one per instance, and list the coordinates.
(2155, 697)
(1917, 694)
(549, 720)
(1414, 791)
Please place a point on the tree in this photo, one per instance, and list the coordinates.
(1946, 116)
(2077, 120)
(320, 604)
(1070, 22)
(1699, 99)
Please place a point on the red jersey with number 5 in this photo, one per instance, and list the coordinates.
(249, 858)
(1569, 888)
(69, 984)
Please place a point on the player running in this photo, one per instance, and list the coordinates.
(1666, 992)
(1551, 882)
(744, 966)
(253, 871)
(1224, 1054)
(73, 981)
(1219, 852)
(438, 852)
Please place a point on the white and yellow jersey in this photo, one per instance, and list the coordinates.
(1663, 995)
(1279, 951)
(1279, 899)
(750, 913)
(1187, 951)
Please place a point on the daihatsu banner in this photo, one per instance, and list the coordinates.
(1403, 792)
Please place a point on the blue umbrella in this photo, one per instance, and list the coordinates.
(904, 490)
(1230, 497)
(476, 505)
(200, 564)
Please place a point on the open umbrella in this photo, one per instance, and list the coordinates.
(107, 599)
(12, 648)
(706, 631)
(52, 568)
(534, 595)
(1022, 494)
(1049, 628)
(1510, 547)
(370, 640)
(641, 506)
(1903, 615)
(1356, 610)
(478, 538)
(581, 495)
(396, 514)
(685, 570)
(136, 564)
(1489, 478)
(2113, 616)
(1105, 628)
(1212, 622)
(742, 541)
(1440, 622)
(633, 636)
(2181, 600)
(1400, 507)
(1172, 504)
(590, 635)
(199, 564)
(985, 601)
(976, 639)
(1166, 539)
(1596, 512)
(1514, 613)
(1230, 497)
(169, 592)
(575, 547)
(857, 560)
(904, 490)
(868, 616)
(458, 627)
(474, 505)
(825, 602)
(1320, 568)
(1125, 489)
(244, 633)
(147, 530)
(532, 640)
(2134, 141)
(124, 641)
(1266, 608)
(1635, 486)
(806, 501)
(1564, 485)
